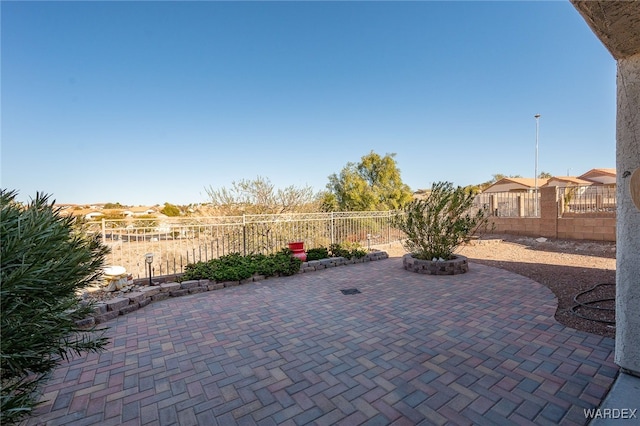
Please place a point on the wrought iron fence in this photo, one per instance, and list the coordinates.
(176, 242)
(509, 204)
(587, 199)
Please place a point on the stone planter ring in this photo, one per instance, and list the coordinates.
(457, 265)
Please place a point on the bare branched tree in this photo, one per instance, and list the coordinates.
(259, 196)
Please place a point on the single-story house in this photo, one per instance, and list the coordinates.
(138, 211)
(600, 176)
(564, 181)
(510, 184)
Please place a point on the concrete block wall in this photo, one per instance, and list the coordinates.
(587, 228)
(528, 226)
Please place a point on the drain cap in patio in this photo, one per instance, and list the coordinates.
(350, 291)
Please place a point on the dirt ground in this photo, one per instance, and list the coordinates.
(566, 267)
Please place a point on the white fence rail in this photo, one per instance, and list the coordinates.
(176, 242)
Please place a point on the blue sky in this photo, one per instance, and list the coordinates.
(147, 102)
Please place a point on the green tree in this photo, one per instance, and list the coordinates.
(328, 202)
(170, 210)
(372, 184)
(259, 196)
(545, 175)
(45, 261)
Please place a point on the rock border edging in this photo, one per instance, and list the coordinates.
(111, 309)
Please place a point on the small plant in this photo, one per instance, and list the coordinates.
(317, 253)
(437, 225)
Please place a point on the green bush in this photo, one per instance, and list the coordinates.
(347, 250)
(45, 262)
(232, 267)
(235, 267)
(317, 253)
(267, 267)
(437, 225)
(286, 263)
(198, 271)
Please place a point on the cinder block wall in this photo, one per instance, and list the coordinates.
(528, 226)
(572, 226)
(601, 228)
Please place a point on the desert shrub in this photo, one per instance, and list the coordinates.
(45, 262)
(437, 225)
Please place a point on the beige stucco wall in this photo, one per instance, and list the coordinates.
(617, 25)
(627, 353)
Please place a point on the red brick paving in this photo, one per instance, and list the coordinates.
(479, 348)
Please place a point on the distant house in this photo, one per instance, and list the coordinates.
(600, 176)
(138, 211)
(565, 181)
(91, 214)
(510, 184)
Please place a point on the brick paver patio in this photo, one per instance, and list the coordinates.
(480, 348)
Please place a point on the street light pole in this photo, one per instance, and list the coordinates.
(537, 117)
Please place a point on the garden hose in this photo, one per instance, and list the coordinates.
(587, 304)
